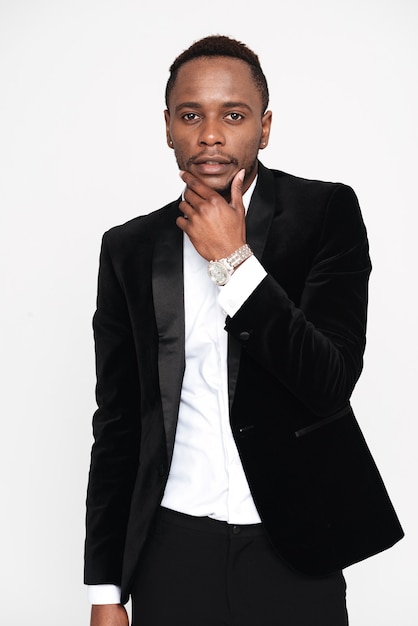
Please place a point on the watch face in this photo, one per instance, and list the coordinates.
(218, 273)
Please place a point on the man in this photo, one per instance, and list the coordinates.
(229, 481)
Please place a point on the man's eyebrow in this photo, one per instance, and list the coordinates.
(226, 105)
(236, 105)
(188, 105)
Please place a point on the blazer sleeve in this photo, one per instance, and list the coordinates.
(315, 347)
(116, 429)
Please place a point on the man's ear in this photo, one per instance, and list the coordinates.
(167, 128)
(265, 129)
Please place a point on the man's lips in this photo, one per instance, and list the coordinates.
(211, 164)
(211, 158)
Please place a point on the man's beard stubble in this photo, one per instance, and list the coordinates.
(225, 191)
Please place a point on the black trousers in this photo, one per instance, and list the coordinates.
(201, 572)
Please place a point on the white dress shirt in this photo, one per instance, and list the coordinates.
(206, 477)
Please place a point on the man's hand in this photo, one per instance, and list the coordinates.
(108, 615)
(215, 227)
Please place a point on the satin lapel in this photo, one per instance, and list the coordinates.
(259, 217)
(168, 295)
(261, 211)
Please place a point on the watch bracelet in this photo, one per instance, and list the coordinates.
(238, 256)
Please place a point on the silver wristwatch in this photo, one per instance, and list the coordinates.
(222, 270)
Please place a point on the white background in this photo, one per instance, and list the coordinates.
(82, 148)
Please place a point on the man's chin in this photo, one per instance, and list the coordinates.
(221, 187)
(225, 192)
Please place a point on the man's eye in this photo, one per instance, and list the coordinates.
(235, 117)
(190, 117)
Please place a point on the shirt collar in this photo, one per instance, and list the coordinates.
(246, 198)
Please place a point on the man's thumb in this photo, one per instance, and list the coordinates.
(236, 188)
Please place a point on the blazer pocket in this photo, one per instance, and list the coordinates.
(324, 422)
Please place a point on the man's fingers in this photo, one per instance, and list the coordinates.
(183, 223)
(197, 189)
(193, 183)
(191, 198)
(190, 180)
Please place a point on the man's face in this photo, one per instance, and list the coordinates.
(215, 121)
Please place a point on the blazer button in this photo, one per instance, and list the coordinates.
(244, 336)
(244, 430)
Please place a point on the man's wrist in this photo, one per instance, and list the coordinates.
(221, 270)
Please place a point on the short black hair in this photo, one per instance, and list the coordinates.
(220, 46)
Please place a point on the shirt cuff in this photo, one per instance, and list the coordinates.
(241, 285)
(103, 594)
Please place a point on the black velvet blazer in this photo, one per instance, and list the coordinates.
(295, 353)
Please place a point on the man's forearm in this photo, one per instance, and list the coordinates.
(109, 615)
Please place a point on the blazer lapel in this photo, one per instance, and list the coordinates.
(259, 217)
(168, 296)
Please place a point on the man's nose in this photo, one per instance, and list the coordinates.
(211, 133)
